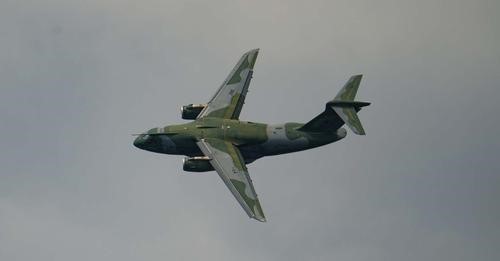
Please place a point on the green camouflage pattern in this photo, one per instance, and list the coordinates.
(229, 99)
(348, 92)
(229, 144)
(229, 163)
(350, 117)
(346, 110)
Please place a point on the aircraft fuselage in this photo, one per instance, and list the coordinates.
(254, 140)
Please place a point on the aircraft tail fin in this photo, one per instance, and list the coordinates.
(345, 106)
(341, 110)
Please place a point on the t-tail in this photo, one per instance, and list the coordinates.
(341, 110)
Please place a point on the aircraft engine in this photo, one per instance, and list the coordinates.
(191, 111)
(197, 164)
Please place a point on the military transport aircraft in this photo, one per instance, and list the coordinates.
(218, 140)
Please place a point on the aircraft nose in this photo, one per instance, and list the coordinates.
(140, 141)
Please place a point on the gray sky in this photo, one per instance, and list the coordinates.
(78, 77)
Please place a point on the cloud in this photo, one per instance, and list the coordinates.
(78, 77)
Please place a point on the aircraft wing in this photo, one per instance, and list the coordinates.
(229, 99)
(229, 164)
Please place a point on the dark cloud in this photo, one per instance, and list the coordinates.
(78, 77)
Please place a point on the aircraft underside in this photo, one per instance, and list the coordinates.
(216, 139)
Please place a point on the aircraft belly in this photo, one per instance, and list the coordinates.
(189, 150)
(168, 145)
(280, 142)
(251, 153)
(180, 146)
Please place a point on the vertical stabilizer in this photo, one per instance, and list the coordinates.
(339, 111)
(348, 92)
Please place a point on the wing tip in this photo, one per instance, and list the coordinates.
(360, 132)
(261, 219)
(258, 214)
(252, 57)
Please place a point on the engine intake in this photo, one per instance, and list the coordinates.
(197, 164)
(191, 111)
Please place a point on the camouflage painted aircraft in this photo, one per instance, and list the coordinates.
(218, 140)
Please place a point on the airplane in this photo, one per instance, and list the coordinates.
(218, 140)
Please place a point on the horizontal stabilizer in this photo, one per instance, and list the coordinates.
(355, 104)
(348, 92)
(350, 118)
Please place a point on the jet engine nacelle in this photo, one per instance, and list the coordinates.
(197, 164)
(191, 111)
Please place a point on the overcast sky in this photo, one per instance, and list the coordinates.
(78, 77)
